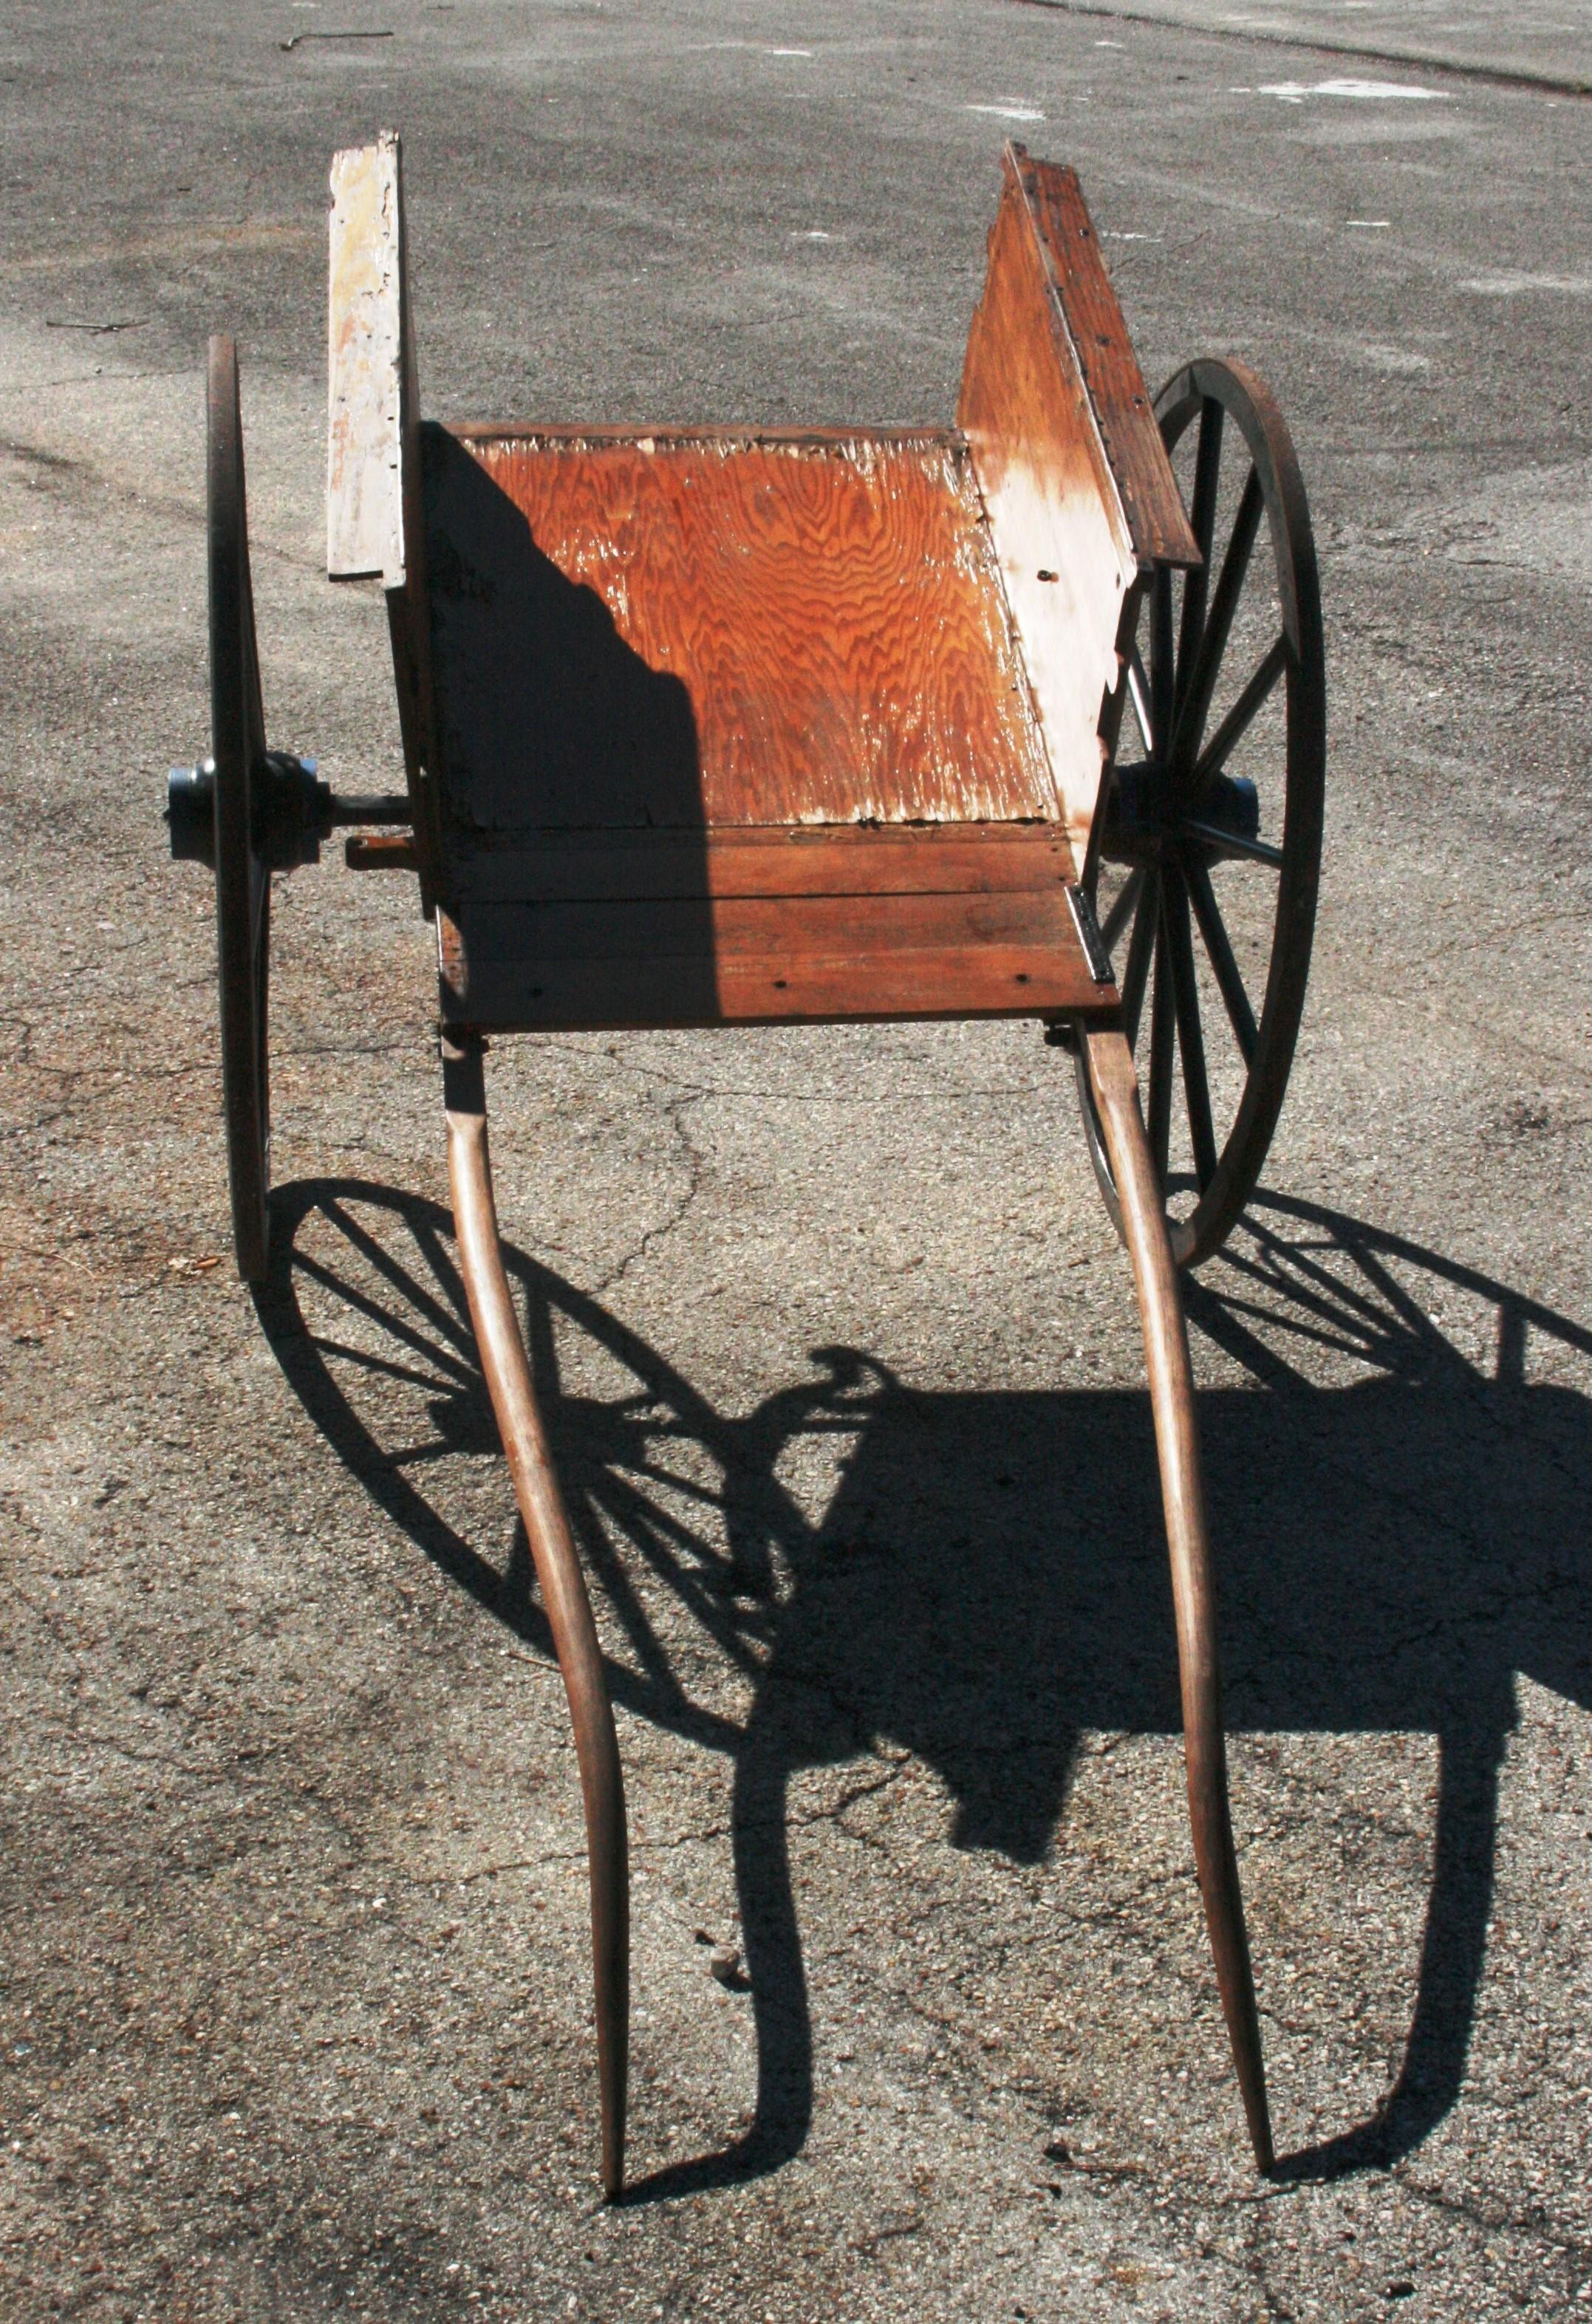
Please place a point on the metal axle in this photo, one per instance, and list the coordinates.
(294, 811)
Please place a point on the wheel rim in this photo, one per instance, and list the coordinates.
(242, 875)
(1211, 922)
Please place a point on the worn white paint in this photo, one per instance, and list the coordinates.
(1509, 285)
(364, 431)
(1061, 535)
(1370, 92)
(1047, 521)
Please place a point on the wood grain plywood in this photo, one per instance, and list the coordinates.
(1065, 548)
(711, 629)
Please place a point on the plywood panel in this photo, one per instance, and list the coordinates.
(1066, 545)
(721, 629)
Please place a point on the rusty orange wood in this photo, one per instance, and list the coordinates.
(781, 960)
(748, 860)
(703, 630)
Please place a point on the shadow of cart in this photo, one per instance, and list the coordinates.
(1395, 1549)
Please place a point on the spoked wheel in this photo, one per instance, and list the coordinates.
(1211, 849)
(248, 811)
(242, 869)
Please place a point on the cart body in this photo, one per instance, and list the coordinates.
(706, 728)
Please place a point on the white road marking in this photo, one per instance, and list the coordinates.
(1504, 286)
(1375, 92)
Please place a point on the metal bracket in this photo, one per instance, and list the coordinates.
(1089, 934)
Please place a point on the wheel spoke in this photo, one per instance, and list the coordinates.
(1159, 1124)
(1140, 952)
(1229, 843)
(261, 1034)
(1116, 918)
(1229, 981)
(1196, 701)
(259, 900)
(1162, 671)
(1196, 587)
(1191, 1039)
(1138, 694)
(1220, 747)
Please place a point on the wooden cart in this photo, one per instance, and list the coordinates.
(741, 726)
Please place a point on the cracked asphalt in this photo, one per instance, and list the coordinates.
(839, 1353)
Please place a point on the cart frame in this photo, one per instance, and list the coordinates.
(842, 742)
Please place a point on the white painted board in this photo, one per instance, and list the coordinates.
(364, 432)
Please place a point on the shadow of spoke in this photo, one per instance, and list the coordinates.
(988, 1581)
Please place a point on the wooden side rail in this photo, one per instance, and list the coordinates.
(376, 520)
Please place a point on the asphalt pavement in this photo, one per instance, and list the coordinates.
(838, 1351)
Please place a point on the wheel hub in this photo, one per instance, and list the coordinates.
(1150, 815)
(293, 812)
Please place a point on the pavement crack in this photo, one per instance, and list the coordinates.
(755, 1093)
(695, 1172)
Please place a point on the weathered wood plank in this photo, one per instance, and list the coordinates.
(366, 414)
(683, 631)
(375, 518)
(786, 927)
(698, 989)
(1063, 536)
(798, 860)
(1124, 416)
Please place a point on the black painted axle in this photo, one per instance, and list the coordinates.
(294, 811)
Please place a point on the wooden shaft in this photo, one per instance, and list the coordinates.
(558, 1572)
(1172, 1401)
